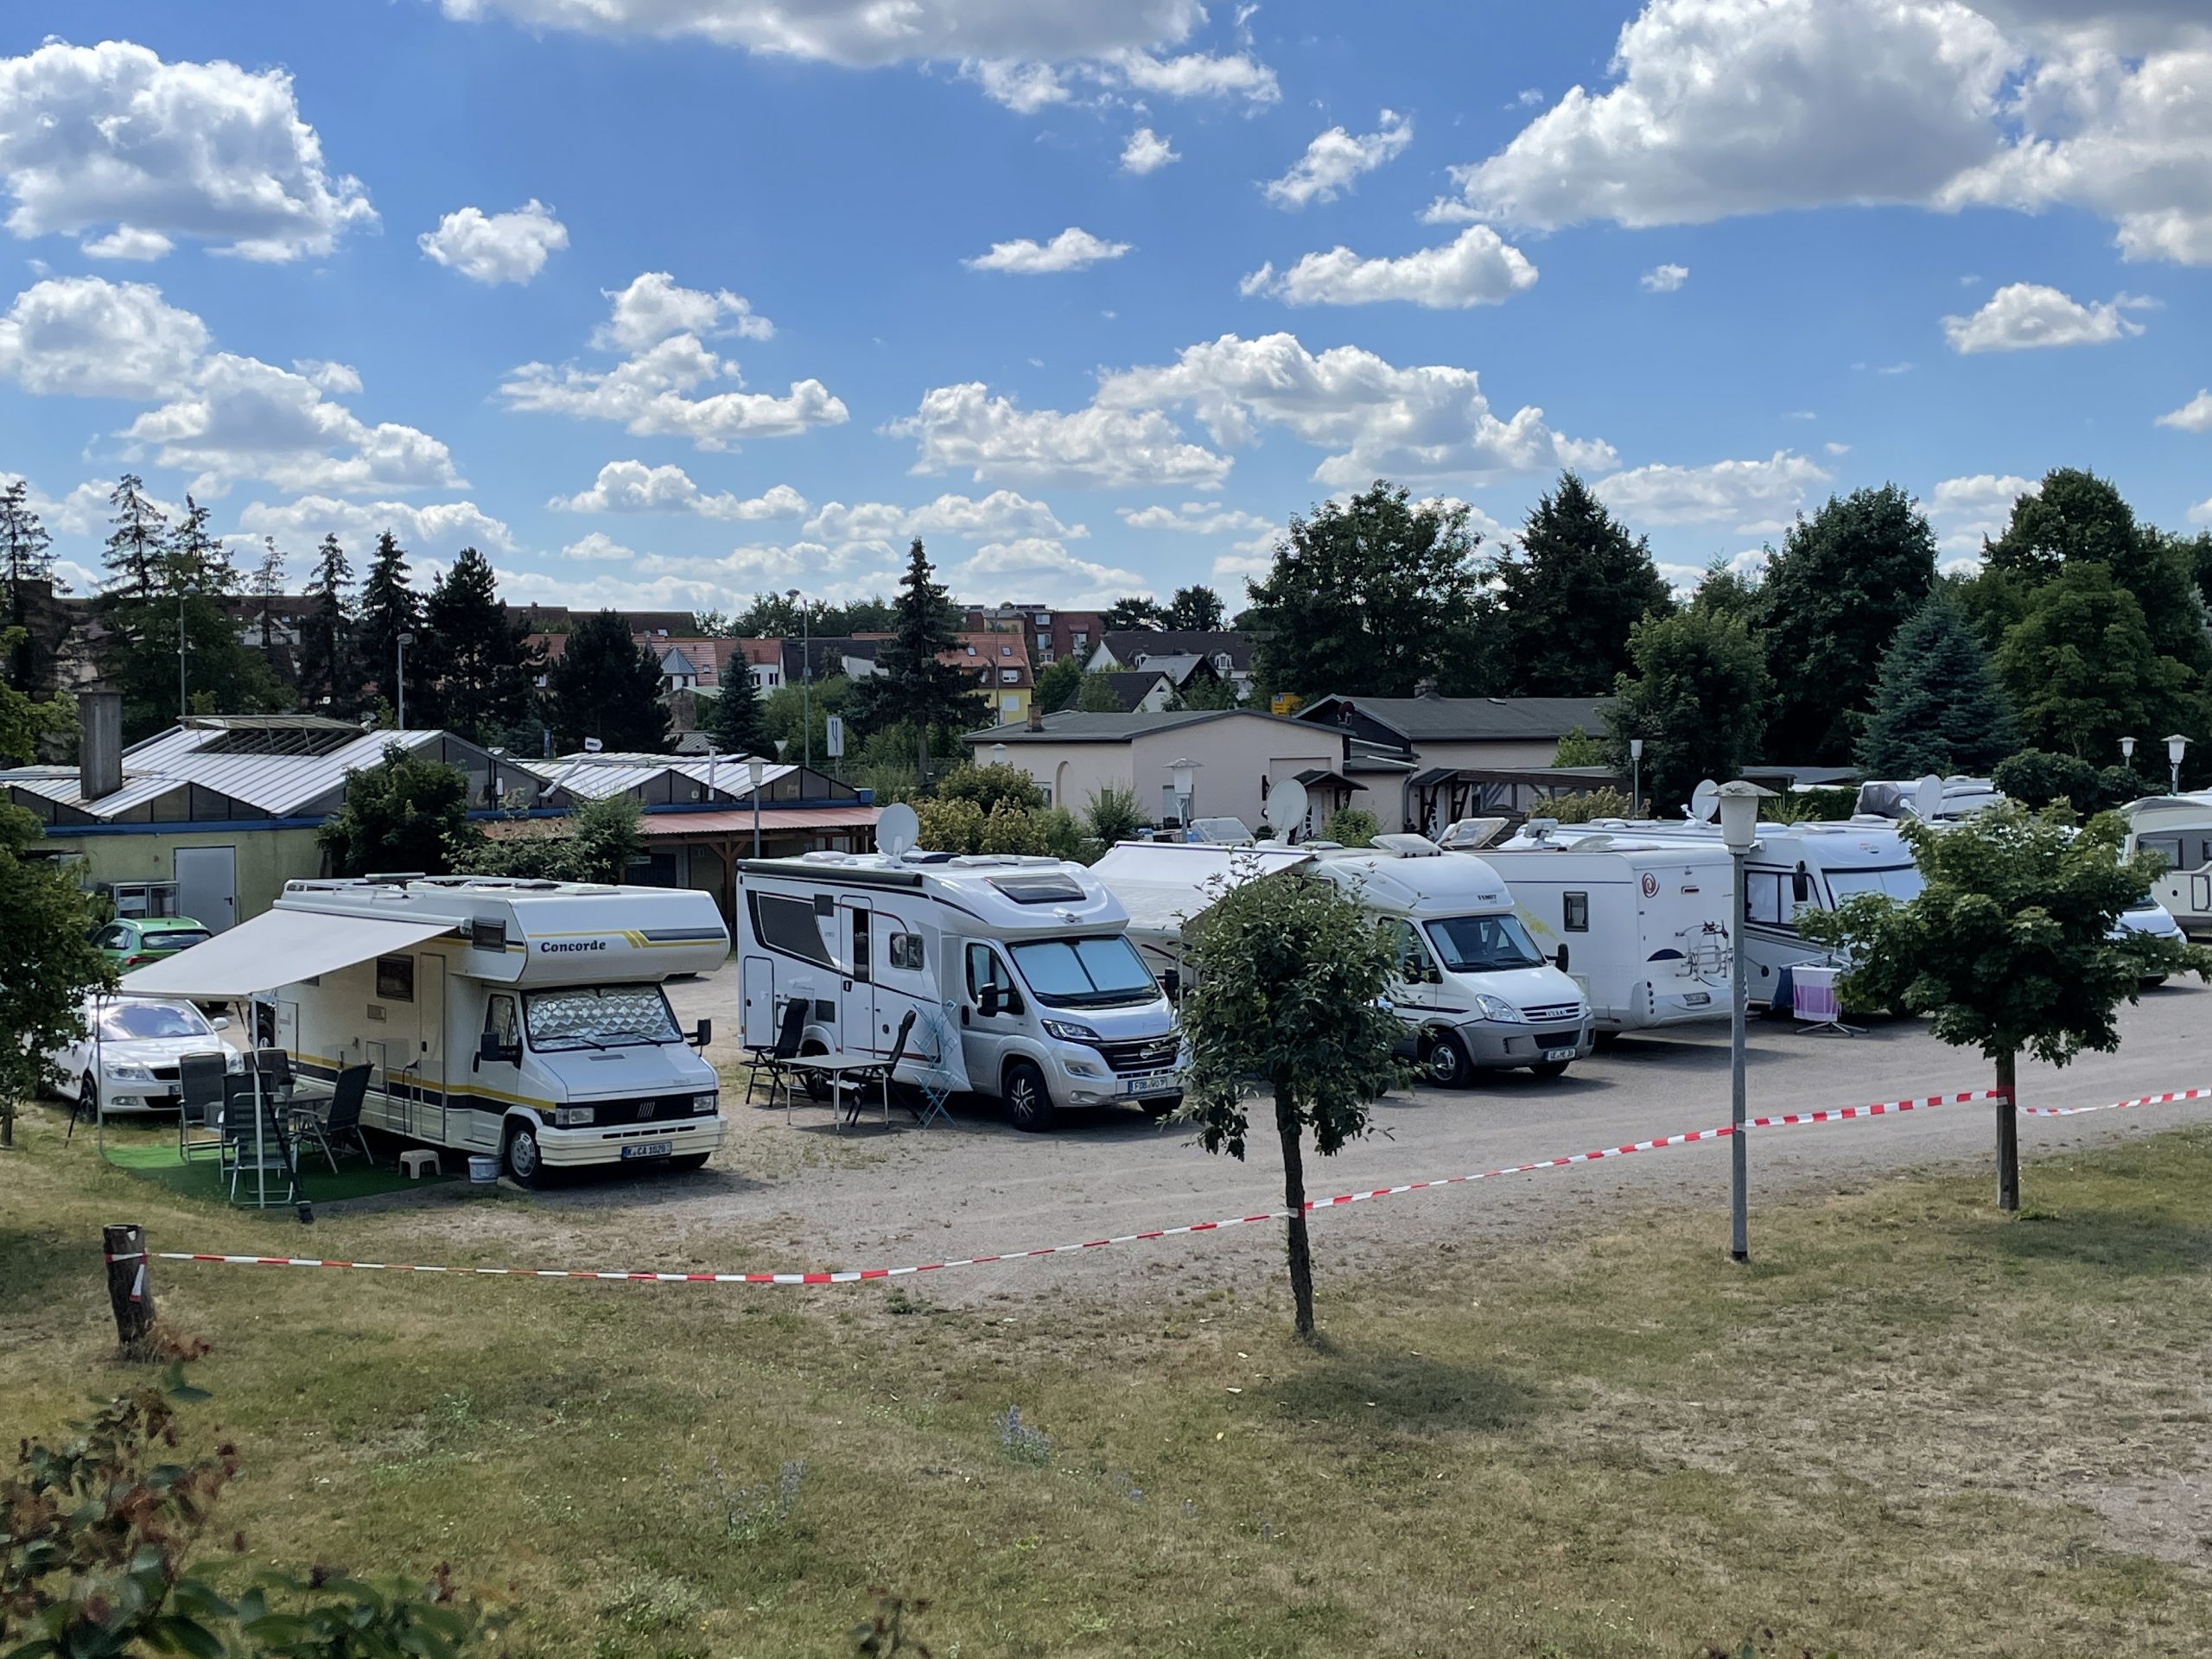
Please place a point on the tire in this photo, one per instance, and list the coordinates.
(1162, 1107)
(1444, 1063)
(1604, 1040)
(690, 1160)
(2151, 984)
(1028, 1102)
(86, 1108)
(1551, 1068)
(817, 1089)
(521, 1157)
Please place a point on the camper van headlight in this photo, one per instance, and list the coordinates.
(1069, 1031)
(571, 1117)
(1497, 1008)
(702, 1104)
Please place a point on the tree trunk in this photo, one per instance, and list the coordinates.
(1293, 1197)
(2008, 1134)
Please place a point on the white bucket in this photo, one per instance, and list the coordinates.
(483, 1172)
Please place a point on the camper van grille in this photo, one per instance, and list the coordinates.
(1557, 1011)
(1152, 1054)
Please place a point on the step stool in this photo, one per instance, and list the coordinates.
(416, 1161)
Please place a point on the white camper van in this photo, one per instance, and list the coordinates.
(1165, 885)
(520, 1018)
(1641, 926)
(1472, 989)
(2178, 827)
(1019, 971)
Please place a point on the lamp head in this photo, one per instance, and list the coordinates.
(406, 638)
(1184, 775)
(1636, 748)
(753, 770)
(1739, 813)
(2127, 748)
(2176, 746)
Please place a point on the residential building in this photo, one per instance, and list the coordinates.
(1049, 635)
(998, 659)
(1179, 654)
(1237, 757)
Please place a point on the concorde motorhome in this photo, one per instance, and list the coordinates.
(524, 1019)
(1473, 990)
(1019, 971)
(1641, 925)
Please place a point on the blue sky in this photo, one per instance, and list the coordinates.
(710, 303)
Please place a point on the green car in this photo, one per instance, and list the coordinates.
(128, 944)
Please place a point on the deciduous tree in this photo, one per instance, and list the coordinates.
(1057, 682)
(606, 685)
(2083, 669)
(1697, 698)
(1937, 705)
(1568, 597)
(407, 812)
(1364, 596)
(47, 960)
(2009, 947)
(1195, 609)
(1288, 1002)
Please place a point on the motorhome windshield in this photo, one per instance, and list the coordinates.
(1102, 973)
(1902, 882)
(598, 1016)
(1483, 944)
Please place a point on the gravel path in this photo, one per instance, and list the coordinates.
(806, 1197)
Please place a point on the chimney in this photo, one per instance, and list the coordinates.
(99, 743)
(1425, 687)
(1036, 714)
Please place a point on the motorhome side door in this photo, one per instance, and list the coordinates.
(989, 984)
(856, 997)
(429, 1113)
(1414, 979)
(497, 1082)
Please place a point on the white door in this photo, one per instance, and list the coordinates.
(208, 885)
(429, 1113)
(856, 1012)
(757, 1019)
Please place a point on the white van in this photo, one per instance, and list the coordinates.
(1166, 885)
(523, 1018)
(1641, 926)
(1472, 989)
(1023, 983)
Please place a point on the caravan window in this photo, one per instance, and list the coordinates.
(499, 1020)
(1576, 911)
(2166, 847)
(1902, 882)
(1413, 962)
(395, 979)
(905, 951)
(1763, 897)
(984, 967)
(788, 925)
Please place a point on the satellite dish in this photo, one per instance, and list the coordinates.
(1286, 808)
(1927, 798)
(898, 829)
(1705, 801)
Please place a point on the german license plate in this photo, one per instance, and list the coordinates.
(1559, 1054)
(648, 1149)
(1160, 1082)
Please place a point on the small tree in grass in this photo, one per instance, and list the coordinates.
(1290, 976)
(2009, 945)
(407, 812)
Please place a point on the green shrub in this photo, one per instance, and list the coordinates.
(1352, 826)
(1582, 806)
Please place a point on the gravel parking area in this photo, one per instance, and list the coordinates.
(806, 1196)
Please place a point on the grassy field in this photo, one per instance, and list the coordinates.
(1909, 1426)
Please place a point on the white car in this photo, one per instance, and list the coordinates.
(2152, 918)
(141, 1040)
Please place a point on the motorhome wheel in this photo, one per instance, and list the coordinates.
(1446, 1062)
(1161, 1107)
(523, 1158)
(1550, 1068)
(1028, 1104)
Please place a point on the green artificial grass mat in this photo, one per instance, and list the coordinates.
(156, 1160)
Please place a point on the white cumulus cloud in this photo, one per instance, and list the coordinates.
(964, 428)
(1040, 566)
(1967, 510)
(127, 242)
(1196, 518)
(1147, 152)
(1757, 498)
(111, 135)
(439, 530)
(1025, 88)
(633, 486)
(1665, 279)
(1476, 267)
(87, 337)
(2195, 416)
(493, 248)
(1336, 158)
(1071, 250)
(597, 544)
(2023, 316)
(883, 527)
(655, 306)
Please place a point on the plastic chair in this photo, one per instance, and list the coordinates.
(790, 1035)
(254, 1143)
(860, 1082)
(200, 1079)
(342, 1122)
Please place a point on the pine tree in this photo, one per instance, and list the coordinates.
(911, 686)
(324, 665)
(268, 587)
(476, 673)
(1570, 596)
(736, 724)
(1937, 705)
(388, 609)
(134, 546)
(606, 686)
(26, 557)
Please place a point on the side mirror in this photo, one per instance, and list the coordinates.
(489, 1047)
(1171, 983)
(704, 1035)
(1562, 958)
(986, 1001)
(221, 1022)
(1801, 886)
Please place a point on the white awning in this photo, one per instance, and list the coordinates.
(278, 947)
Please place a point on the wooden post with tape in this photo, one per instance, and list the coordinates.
(129, 1291)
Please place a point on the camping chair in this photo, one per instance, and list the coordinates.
(861, 1081)
(342, 1122)
(199, 1102)
(275, 1066)
(254, 1144)
(790, 1035)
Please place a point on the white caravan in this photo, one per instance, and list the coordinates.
(1472, 989)
(1641, 925)
(524, 1019)
(1019, 971)
(2179, 827)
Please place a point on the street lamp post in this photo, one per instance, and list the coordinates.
(805, 680)
(400, 714)
(1636, 777)
(752, 773)
(1182, 777)
(2127, 751)
(1739, 825)
(2177, 747)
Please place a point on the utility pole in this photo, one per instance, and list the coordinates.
(806, 680)
(405, 640)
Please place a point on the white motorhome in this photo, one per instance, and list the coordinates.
(1472, 989)
(1019, 971)
(1165, 885)
(524, 1019)
(1641, 926)
(2179, 829)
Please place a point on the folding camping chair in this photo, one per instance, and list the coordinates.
(791, 1036)
(200, 1082)
(254, 1143)
(933, 1087)
(342, 1122)
(860, 1082)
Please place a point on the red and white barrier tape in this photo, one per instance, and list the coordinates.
(856, 1275)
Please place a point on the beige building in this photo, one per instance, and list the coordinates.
(1235, 757)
